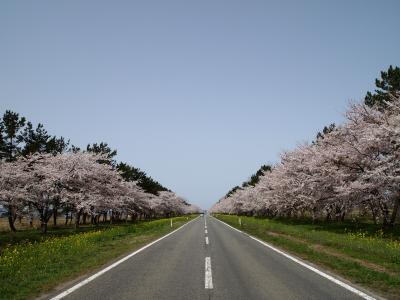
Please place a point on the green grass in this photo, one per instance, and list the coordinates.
(31, 264)
(362, 253)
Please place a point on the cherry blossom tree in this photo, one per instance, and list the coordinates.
(354, 166)
(83, 184)
(12, 189)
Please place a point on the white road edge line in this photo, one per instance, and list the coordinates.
(207, 242)
(208, 284)
(329, 277)
(101, 272)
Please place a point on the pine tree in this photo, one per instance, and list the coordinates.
(388, 87)
(57, 145)
(11, 126)
(35, 139)
(104, 149)
(148, 184)
(39, 141)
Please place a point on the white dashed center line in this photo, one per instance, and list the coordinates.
(208, 275)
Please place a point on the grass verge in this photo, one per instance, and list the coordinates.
(31, 267)
(362, 253)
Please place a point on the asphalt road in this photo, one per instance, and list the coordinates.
(230, 265)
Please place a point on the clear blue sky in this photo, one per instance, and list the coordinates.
(198, 94)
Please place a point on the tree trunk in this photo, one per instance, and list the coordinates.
(55, 217)
(328, 216)
(395, 210)
(45, 216)
(11, 222)
(78, 216)
(385, 213)
(133, 217)
(373, 213)
(10, 150)
(343, 216)
(43, 227)
(11, 218)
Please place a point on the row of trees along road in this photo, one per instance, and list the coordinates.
(351, 168)
(42, 175)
